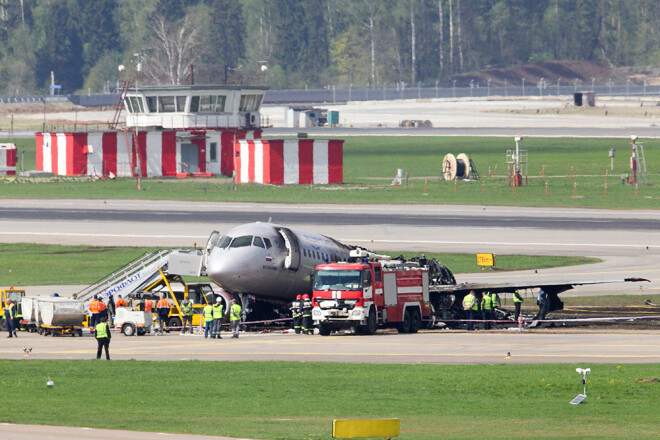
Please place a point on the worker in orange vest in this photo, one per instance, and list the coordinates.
(163, 312)
(148, 304)
(103, 310)
(94, 309)
(121, 302)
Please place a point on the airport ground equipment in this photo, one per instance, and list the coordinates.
(143, 271)
(133, 322)
(16, 295)
(53, 315)
(371, 294)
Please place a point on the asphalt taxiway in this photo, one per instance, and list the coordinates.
(426, 347)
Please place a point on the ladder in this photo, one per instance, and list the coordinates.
(125, 85)
(473, 171)
(641, 164)
(130, 277)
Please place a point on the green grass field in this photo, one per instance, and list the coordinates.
(371, 162)
(74, 265)
(284, 400)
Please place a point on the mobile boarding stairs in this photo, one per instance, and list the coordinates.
(144, 271)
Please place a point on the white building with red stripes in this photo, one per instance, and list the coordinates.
(290, 161)
(191, 131)
(8, 159)
(160, 153)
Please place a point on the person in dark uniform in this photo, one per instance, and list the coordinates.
(543, 302)
(517, 302)
(103, 336)
(296, 313)
(10, 313)
(307, 327)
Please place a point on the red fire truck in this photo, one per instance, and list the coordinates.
(366, 295)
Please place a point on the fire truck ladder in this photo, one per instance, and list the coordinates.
(130, 277)
(125, 85)
(641, 164)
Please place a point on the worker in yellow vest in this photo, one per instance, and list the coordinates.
(217, 318)
(234, 318)
(517, 302)
(187, 311)
(487, 310)
(471, 306)
(103, 336)
(208, 320)
(10, 314)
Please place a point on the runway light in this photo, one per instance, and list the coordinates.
(50, 383)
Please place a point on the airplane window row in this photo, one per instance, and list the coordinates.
(244, 241)
(320, 255)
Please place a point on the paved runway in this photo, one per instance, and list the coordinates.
(427, 347)
(10, 431)
(626, 240)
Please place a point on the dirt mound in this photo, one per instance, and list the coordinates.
(565, 71)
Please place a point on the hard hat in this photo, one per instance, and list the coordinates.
(305, 296)
(218, 299)
(299, 297)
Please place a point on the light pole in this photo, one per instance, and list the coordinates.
(628, 87)
(471, 87)
(558, 80)
(593, 80)
(506, 92)
(436, 89)
(645, 88)
(454, 87)
(575, 84)
(523, 82)
(488, 85)
(610, 83)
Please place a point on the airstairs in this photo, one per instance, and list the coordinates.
(143, 271)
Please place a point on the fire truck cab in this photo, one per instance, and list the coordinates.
(370, 294)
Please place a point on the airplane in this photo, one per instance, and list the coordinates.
(272, 263)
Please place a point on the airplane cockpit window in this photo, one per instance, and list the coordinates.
(267, 243)
(243, 241)
(258, 242)
(224, 241)
(338, 280)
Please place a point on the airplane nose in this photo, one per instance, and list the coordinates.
(223, 269)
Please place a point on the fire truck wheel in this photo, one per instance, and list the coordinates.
(372, 323)
(415, 321)
(324, 330)
(404, 327)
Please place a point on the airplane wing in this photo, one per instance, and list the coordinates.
(552, 289)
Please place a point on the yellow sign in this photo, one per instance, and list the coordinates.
(486, 259)
(365, 428)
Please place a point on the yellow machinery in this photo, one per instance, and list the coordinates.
(15, 295)
(201, 294)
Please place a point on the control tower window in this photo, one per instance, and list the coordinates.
(210, 104)
(129, 106)
(152, 104)
(194, 104)
(180, 104)
(249, 103)
(166, 104)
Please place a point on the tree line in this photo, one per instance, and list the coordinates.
(310, 43)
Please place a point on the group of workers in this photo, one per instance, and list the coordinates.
(484, 304)
(301, 311)
(213, 317)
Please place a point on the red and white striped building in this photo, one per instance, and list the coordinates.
(191, 131)
(161, 153)
(290, 161)
(8, 159)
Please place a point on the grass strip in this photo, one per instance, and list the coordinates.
(74, 265)
(284, 400)
(572, 171)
